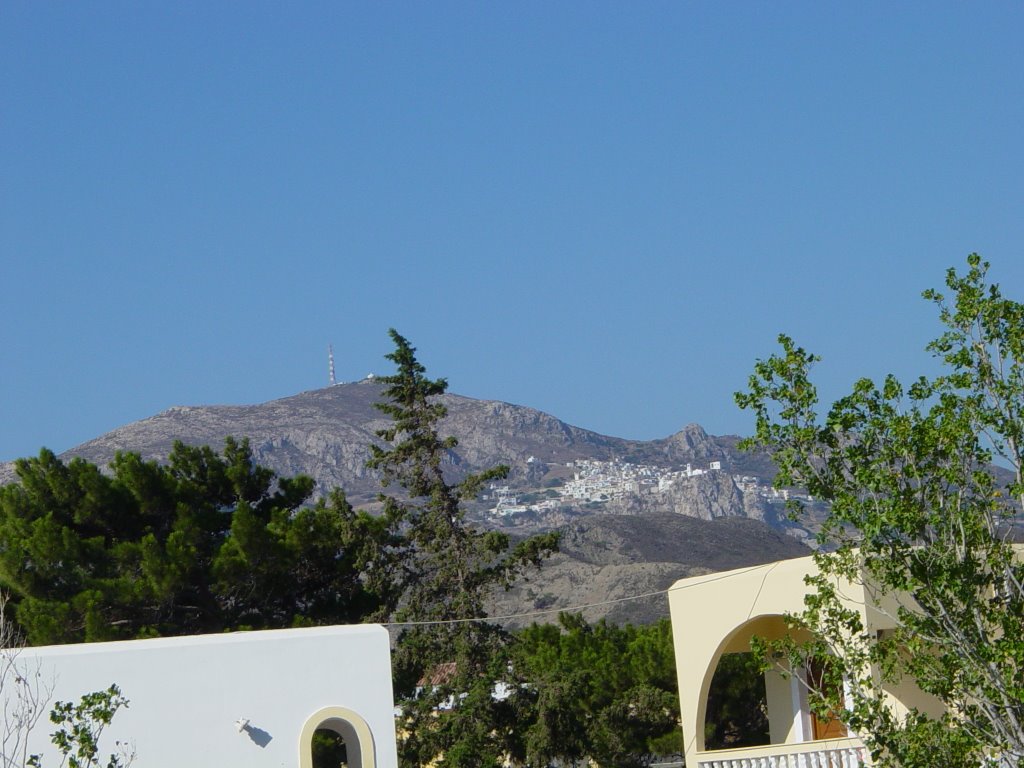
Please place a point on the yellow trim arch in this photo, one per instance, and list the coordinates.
(350, 726)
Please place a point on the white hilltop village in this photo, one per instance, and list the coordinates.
(597, 482)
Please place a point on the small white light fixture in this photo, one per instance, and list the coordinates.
(242, 724)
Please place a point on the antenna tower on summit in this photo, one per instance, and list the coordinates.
(330, 364)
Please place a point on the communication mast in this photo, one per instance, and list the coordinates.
(330, 364)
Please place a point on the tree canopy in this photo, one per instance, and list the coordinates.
(204, 543)
(602, 691)
(916, 509)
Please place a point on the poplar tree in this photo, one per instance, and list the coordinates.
(917, 511)
(452, 672)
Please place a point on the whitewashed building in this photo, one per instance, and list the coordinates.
(237, 700)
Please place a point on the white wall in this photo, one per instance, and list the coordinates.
(186, 693)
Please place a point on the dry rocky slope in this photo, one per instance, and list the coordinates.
(625, 545)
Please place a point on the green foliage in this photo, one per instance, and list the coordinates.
(205, 543)
(447, 570)
(917, 513)
(329, 750)
(79, 728)
(599, 691)
(737, 708)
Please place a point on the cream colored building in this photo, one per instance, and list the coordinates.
(719, 613)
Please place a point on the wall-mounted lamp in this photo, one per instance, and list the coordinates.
(259, 736)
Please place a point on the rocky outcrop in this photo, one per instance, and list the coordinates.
(756, 508)
(706, 497)
(691, 443)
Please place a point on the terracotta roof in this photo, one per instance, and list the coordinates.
(439, 675)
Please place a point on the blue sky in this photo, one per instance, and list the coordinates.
(603, 210)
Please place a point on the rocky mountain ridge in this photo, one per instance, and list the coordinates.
(647, 538)
(325, 433)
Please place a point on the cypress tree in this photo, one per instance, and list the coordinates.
(452, 672)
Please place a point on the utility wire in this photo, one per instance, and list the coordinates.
(546, 611)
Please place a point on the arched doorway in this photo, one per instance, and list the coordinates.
(352, 729)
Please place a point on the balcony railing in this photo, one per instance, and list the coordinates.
(834, 753)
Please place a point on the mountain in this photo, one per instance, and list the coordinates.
(325, 433)
(605, 558)
(635, 515)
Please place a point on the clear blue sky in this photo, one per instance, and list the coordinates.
(603, 210)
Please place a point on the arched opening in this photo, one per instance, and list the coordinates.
(336, 734)
(737, 707)
(329, 749)
(740, 705)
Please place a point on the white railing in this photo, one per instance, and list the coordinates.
(839, 753)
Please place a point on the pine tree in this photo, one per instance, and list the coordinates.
(448, 664)
(206, 543)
